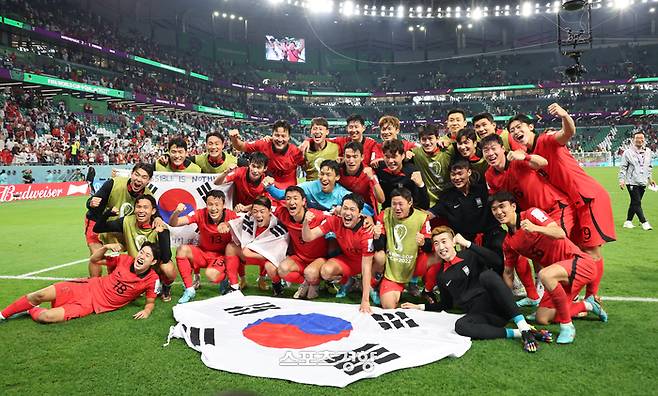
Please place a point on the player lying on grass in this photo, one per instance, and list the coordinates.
(214, 235)
(74, 299)
(565, 268)
(467, 280)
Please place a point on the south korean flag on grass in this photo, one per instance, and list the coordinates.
(326, 344)
(170, 189)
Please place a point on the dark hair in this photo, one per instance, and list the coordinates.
(320, 121)
(148, 168)
(460, 164)
(149, 198)
(521, 118)
(457, 111)
(468, 133)
(177, 141)
(354, 146)
(281, 124)
(637, 132)
(154, 249)
(356, 198)
(427, 130)
(356, 118)
(494, 137)
(394, 146)
(482, 116)
(215, 134)
(331, 164)
(263, 201)
(215, 193)
(259, 158)
(502, 196)
(402, 192)
(296, 189)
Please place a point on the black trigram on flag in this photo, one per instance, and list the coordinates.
(195, 336)
(204, 189)
(397, 320)
(362, 359)
(250, 309)
(248, 225)
(279, 230)
(152, 188)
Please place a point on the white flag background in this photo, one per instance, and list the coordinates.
(171, 188)
(309, 342)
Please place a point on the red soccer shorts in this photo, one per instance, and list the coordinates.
(74, 297)
(596, 225)
(90, 235)
(204, 259)
(348, 268)
(581, 271)
(301, 263)
(563, 215)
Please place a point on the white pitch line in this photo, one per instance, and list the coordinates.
(633, 299)
(53, 268)
(21, 277)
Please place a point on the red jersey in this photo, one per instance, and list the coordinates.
(540, 248)
(282, 166)
(369, 147)
(245, 191)
(123, 285)
(530, 188)
(354, 243)
(307, 251)
(359, 183)
(563, 170)
(210, 239)
(408, 146)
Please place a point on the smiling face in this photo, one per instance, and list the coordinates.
(319, 134)
(328, 179)
(388, 132)
(522, 132)
(350, 213)
(429, 143)
(638, 140)
(256, 171)
(280, 138)
(455, 123)
(139, 179)
(466, 147)
(215, 207)
(261, 214)
(144, 211)
(400, 207)
(504, 212)
(177, 155)
(355, 129)
(460, 177)
(295, 204)
(444, 246)
(144, 260)
(352, 159)
(214, 146)
(393, 160)
(483, 127)
(494, 154)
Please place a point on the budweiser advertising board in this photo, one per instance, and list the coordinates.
(19, 192)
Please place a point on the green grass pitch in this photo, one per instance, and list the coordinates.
(114, 354)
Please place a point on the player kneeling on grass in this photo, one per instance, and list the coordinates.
(565, 268)
(467, 280)
(400, 233)
(214, 235)
(355, 243)
(74, 299)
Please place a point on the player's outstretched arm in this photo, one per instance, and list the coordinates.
(236, 142)
(535, 161)
(176, 221)
(99, 255)
(366, 277)
(148, 308)
(568, 125)
(310, 234)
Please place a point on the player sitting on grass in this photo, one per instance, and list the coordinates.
(466, 281)
(74, 299)
(214, 235)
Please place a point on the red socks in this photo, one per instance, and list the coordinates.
(524, 272)
(593, 287)
(20, 305)
(185, 270)
(233, 268)
(562, 304)
(430, 277)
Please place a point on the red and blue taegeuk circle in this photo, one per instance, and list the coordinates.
(171, 198)
(297, 331)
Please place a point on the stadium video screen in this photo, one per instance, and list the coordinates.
(285, 49)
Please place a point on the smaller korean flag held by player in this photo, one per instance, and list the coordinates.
(170, 189)
(310, 342)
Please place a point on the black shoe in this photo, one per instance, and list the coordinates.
(229, 290)
(277, 289)
(430, 297)
(166, 293)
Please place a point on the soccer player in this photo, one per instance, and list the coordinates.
(455, 122)
(258, 239)
(356, 126)
(319, 148)
(137, 229)
(130, 278)
(565, 268)
(468, 150)
(284, 157)
(593, 207)
(178, 161)
(400, 234)
(466, 281)
(247, 181)
(214, 235)
(117, 192)
(358, 178)
(389, 129)
(635, 175)
(323, 194)
(398, 173)
(433, 159)
(484, 125)
(214, 160)
(303, 263)
(355, 242)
